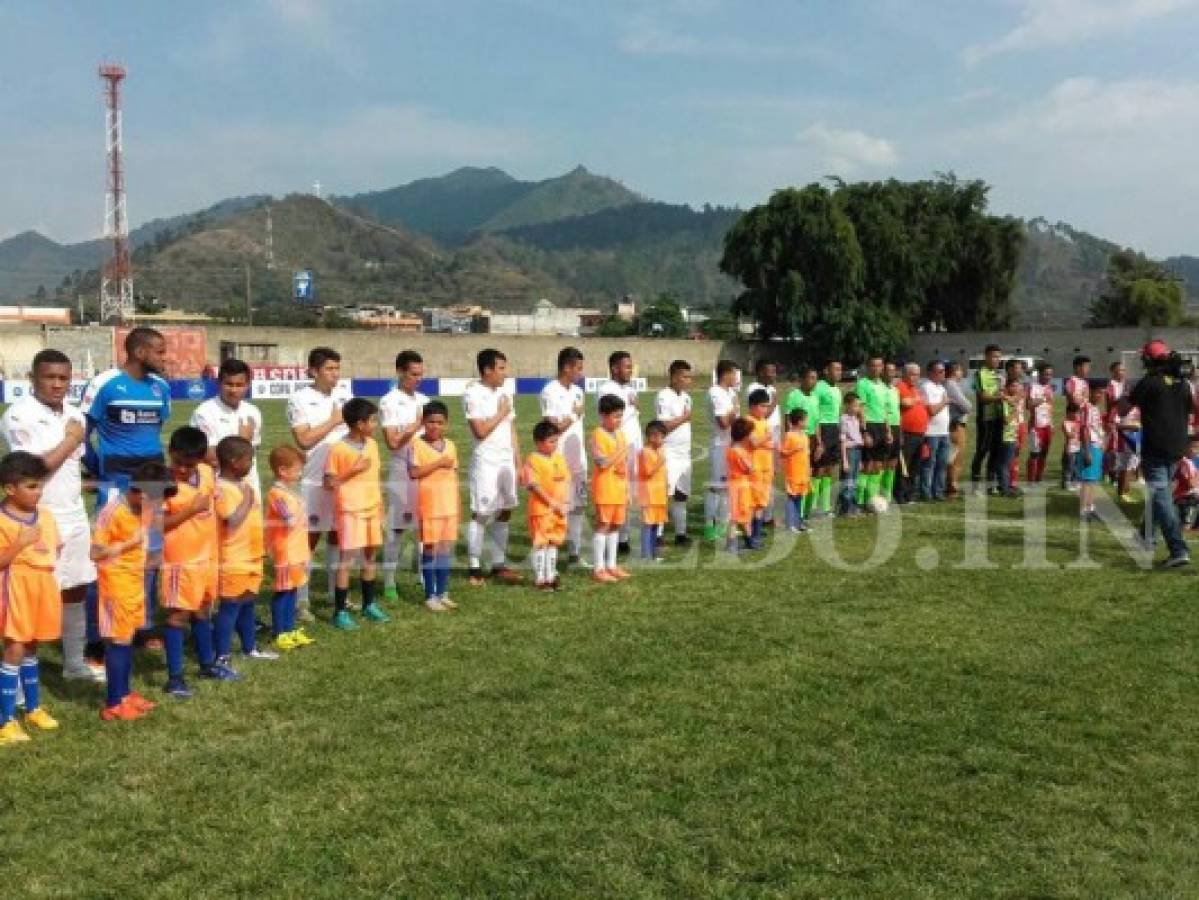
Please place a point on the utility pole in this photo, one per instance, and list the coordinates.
(249, 301)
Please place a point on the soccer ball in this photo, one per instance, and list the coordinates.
(878, 505)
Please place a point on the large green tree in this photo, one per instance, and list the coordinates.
(850, 270)
(1138, 291)
(662, 318)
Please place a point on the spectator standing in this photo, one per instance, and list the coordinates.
(936, 436)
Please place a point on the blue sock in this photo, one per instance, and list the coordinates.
(226, 620)
(278, 616)
(245, 625)
(30, 683)
(202, 636)
(647, 541)
(151, 584)
(289, 610)
(118, 664)
(172, 639)
(429, 573)
(9, 676)
(126, 670)
(443, 574)
(92, 616)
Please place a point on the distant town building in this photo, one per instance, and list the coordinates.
(626, 308)
(545, 318)
(459, 319)
(34, 315)
(385, 318)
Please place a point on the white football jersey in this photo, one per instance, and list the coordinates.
(561, 402)
(33, 427)
(721, 402)
(482, 402)
(310, 407)
(630, 423)
(218, 420)
(670, 405)
(398, 409)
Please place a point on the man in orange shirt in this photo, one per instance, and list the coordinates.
(433, 464)
(30, 602)
(352, 473)
(239, 517)
(653, 486)
(913, 422)
(287, 539)
(119, 549)
(189, 557)
(609, 488)
(547, 479)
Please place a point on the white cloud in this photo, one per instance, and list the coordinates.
(845, 151)
(1130, 111)
(1047, 23)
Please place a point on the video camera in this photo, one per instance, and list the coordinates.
(1173, 365)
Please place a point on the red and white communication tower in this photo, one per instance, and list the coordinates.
(116, 285)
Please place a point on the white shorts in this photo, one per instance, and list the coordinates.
(678, 473)
(402, 496)
(492, 487)
(320, 507)
(718, 473)
(579, 492)
(74, 567)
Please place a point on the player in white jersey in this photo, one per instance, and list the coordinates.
(724, 406)
(493, 466)
(620, 384)
(562, 402)
(45, 424)
(400, 413)
(229, 415)
(765, 378)
(673, 410)
(314, 414)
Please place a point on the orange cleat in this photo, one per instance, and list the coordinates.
(604, 577)
(140, 703)
(122, 712)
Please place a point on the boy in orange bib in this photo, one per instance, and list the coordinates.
(764, 447)
(352, 473)
(796, 454)
(239, 518)
(189, 557)
(609, 488)
(30, 602)
(433, 464)
(547, 478)
(119, 550)
(653, 489)
(742, 477)
(287, 541)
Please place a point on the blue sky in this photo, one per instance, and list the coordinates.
(1081, 110)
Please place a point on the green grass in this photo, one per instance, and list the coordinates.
(711, 729)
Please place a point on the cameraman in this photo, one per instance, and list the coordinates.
(1165, 401)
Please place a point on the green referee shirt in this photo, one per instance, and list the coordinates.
(891, 398)
(873, 397)
(828, 403)
(797, 399)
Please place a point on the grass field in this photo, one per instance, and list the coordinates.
(795, 724)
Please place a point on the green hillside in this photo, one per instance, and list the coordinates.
(578, 193)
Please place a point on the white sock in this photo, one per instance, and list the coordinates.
(74, 634)
(599, 545)
(499, 536)
(391, 555)
(551, 563)
(474, 543)
(613, 543)
(678, 515)
(574, 532)
(539, 561)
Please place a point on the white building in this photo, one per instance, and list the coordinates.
(545, 318)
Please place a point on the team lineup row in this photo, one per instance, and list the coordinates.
(190, 530)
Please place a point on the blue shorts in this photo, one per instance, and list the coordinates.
(1093, 473)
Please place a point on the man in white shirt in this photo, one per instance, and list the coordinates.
(563, 403)
(724, 406)
(314, 414)
(229, 415)
(673, 410)
(400, 413)
(933, 472)
(46, 425)
(493, 466)
(620, 384)
(765, 378)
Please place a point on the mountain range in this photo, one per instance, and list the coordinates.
(479, 235)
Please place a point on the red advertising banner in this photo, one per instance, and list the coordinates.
(187, 349)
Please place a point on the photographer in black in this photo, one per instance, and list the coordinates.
(1165, 401)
